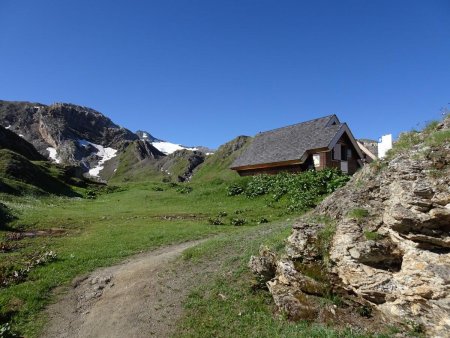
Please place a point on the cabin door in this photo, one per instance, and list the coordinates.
(344, 166)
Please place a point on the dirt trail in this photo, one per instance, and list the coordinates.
(139, 298)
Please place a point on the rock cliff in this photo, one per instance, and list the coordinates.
(11, 141)
(60, 131)
(383, 239)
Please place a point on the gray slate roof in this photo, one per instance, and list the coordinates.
(289, 143)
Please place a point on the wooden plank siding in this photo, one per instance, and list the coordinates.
(271, 171)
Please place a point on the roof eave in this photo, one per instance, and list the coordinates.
(267, 165)
(345, 129)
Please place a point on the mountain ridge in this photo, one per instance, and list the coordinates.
(81, 136)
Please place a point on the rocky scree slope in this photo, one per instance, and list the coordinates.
(384, 238)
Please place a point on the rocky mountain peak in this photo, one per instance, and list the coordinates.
(65, 133)
(146, 136)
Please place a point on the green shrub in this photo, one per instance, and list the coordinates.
(238, 221)
(431, 126)
(91, 194)
(234, 190)
(6, 332)
(299, 191)
(438, 138)
(5, 215)
(364, 311)
(372, 235)
(262, 220)
(404, 143)
(215, 221)
(358, 213)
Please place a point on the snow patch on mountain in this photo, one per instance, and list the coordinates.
(105, 154)
(53, 154)
(168, 147)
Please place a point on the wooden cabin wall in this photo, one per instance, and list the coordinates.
(271, 170)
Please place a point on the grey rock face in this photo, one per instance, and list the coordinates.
(61, 126)
(192, 160)
(264, 265)
(146, 136)
(10, 140)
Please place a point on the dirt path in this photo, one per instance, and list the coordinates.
(141, 297)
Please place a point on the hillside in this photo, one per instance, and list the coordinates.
(141, 161)
(60, 131)
(83, 137)
(217, 166)
(23, 171)
(13, 142)
(75, 135)
(381, 244)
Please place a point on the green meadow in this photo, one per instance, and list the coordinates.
(88, 233)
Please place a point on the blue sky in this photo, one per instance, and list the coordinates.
(202, 72)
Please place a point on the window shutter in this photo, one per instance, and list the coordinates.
(316, 160)
(337, 152)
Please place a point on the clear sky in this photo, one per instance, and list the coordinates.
(202, 72)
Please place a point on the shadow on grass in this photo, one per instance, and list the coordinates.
(5, 218)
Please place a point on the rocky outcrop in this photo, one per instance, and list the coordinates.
(144, 150)
(146, 136)
(384, 238)
(181, 164)
(59, 131)
(11, 141)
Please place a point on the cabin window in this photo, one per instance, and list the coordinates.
(336, 154)
(316, 160)
(349, 153)
(343, 153)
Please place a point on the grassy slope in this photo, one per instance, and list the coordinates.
(18, 175)
(103, 231)
(225, 305)
(216, 166)
(131, 169)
